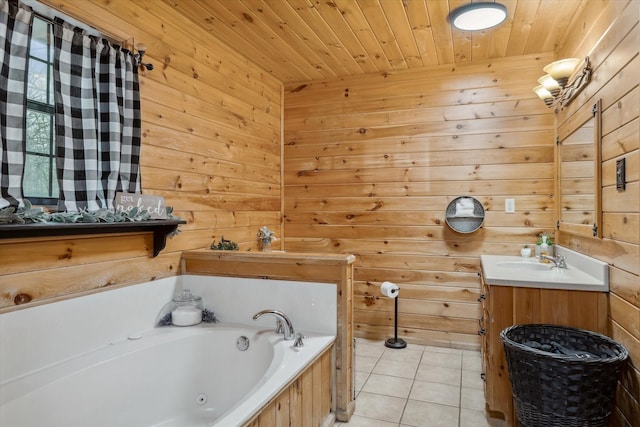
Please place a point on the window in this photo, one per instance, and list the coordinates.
(40, 184)
(74, 135)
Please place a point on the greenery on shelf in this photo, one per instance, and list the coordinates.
(30, 215)
(224, 245)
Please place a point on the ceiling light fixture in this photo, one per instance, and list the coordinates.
(563, 81)
(478, 16)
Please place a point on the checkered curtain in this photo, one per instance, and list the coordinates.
(15, 33)
(98, 131)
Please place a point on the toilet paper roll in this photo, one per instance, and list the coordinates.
(389, 289)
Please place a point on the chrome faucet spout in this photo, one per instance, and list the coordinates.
(289, 333)
(558, 261)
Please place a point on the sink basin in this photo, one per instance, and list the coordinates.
(583, 273)
(527, 266)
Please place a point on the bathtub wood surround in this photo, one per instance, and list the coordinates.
(329, 268)
(62, 356)
(306, 402)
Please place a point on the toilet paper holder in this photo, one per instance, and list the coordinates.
(391, 290)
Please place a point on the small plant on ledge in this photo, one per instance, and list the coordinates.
(266, 236)
(224, 245)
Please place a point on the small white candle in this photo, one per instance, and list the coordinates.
(186, 316)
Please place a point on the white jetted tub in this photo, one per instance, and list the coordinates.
(170, 376)
(173, 377)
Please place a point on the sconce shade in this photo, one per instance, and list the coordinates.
(550, 84)
(478, 16)
(561, 70)
(542, 92)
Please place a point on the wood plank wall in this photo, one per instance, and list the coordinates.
(211, 147)
(371, 163)
(608, 32)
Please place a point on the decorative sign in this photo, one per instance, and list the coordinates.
(124, 202)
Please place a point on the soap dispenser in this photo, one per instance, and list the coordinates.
(544, 249)
(187, 309)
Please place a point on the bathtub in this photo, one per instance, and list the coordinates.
(168, 377)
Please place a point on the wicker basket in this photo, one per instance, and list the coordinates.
(574, 388)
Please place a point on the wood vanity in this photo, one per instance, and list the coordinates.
(505, 304)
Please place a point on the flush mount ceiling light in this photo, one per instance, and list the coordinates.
(478, 16)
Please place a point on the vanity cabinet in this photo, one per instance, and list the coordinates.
(504, 305)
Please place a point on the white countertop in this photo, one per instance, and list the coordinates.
(583, 273)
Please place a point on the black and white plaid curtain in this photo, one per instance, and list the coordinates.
(15, 33)
(98, 130)
(97, 101)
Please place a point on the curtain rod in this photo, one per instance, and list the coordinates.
(48, 14)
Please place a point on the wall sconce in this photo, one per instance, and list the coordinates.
(142, 48)
(562, 82)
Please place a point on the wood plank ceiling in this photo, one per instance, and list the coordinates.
(303, 40)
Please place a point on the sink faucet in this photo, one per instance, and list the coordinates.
(283, 320)
(559, 261)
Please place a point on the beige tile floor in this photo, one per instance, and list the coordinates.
(418, 386)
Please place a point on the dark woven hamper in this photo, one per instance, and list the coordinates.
(561, 376)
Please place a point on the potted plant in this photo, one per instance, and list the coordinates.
(265, 237)
(224, 245)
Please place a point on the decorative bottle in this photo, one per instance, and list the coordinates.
(544, 249)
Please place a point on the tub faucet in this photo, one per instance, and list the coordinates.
(289, 333)
(558, 261)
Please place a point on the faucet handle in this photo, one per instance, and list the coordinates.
(279, 327)
(562, 261)
(298, 342)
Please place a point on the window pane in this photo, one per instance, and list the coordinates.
(36, 176)
(37, 81)
(39, 132)
(40, 173)
(51, 100)
(40, 39)
(55, 191)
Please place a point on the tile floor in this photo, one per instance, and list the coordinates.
(418, 386)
